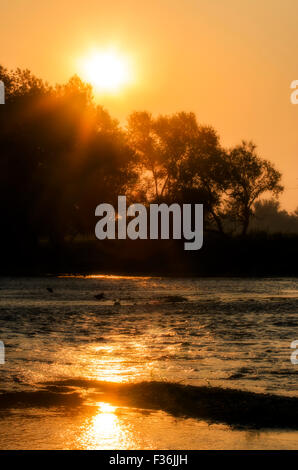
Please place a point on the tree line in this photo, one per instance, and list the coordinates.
(61, 155)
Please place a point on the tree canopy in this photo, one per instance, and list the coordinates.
(61, 155)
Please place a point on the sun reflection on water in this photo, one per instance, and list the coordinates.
(105, 430)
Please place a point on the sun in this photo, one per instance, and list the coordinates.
(108, 71)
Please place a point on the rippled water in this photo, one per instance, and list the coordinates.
(229, 333)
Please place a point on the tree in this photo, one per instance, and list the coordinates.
(144, 139)
(249, 177)
(21, 83)
(268, 216)
(203, 176)
(180, 160)
(60, 156)
(162, 144)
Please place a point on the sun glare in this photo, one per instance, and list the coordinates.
(107, 70)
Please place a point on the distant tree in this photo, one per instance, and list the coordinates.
(268, 216)
(249, 177)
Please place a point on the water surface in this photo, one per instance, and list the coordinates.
(227, 333)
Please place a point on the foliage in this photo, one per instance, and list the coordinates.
(61, 155)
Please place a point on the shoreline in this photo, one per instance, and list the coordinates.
(236, 408)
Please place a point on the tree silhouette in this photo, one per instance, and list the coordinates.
(249, 177)
(180, 160)
(60, 156)
(269, 217)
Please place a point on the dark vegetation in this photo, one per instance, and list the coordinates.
(61, 155)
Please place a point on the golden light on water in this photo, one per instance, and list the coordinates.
(106, 408)
(107, 70)
(107, 277)
(105, 430)
(105, 424)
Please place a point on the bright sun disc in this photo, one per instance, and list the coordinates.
(107, 71)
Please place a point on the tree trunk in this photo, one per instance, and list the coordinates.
(245, 222)
(218, 222)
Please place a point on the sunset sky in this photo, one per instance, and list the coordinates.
(229, 61)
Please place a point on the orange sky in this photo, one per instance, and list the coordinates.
(230, 61)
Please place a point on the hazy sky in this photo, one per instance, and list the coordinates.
(230, 61)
